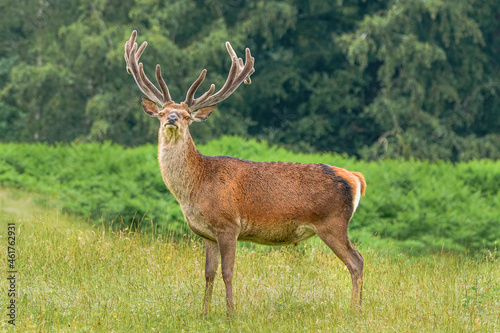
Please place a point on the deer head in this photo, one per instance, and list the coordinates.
(176, 117)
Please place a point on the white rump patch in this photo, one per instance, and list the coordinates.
(357, 197)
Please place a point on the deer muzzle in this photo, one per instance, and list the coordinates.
(171, 121)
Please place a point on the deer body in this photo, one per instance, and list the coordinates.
(227, 199)
(270, 203)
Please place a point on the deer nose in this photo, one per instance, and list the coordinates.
(172, 119)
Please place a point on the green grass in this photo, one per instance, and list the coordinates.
(416, 206)
(74, 277)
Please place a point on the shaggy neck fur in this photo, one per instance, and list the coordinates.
(180, 163)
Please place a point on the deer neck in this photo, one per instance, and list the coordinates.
(180, 164)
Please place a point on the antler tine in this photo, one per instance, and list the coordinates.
(140, 50)
(230, 78)
(236, 77)
(128, 47)
(248, 80)
(137, 71)
(150, 85)
(240, 61)
(132, 55)
(249, 70)
(190, 94)
(192, 90)
(203, 97)
(238, 73)
(134, 69)
(163, 85)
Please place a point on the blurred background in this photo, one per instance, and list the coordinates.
(373, 79)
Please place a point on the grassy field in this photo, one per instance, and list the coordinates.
(73, 277)
(413, 206)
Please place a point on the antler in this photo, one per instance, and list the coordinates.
(132, 55)
(238, 73)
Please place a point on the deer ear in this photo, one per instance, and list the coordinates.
(203, 113)
(151, 108)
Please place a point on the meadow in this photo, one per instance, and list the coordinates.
(410, 205)
(74, 276)
(101, 246)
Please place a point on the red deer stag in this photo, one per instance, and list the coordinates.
(227, 199)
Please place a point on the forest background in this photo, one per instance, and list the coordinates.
(372, 79)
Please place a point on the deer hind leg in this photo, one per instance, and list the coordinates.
(227, 247)
(211, 264)
(338, 241)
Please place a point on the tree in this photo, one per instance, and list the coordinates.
(372, 79)
(435, 80)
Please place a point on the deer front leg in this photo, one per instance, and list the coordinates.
(227, 247)
(211, 264)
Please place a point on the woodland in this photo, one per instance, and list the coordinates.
(371, 79)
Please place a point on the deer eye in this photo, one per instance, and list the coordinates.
(187, 118)
(161, 114)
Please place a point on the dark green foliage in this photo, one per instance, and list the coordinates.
(101, 182)
(434, 91)
(417, 205)
(373, 79)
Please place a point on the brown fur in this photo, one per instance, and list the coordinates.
(226, 199)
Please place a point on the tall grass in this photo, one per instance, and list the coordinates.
(417, 206)
(74, 277)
